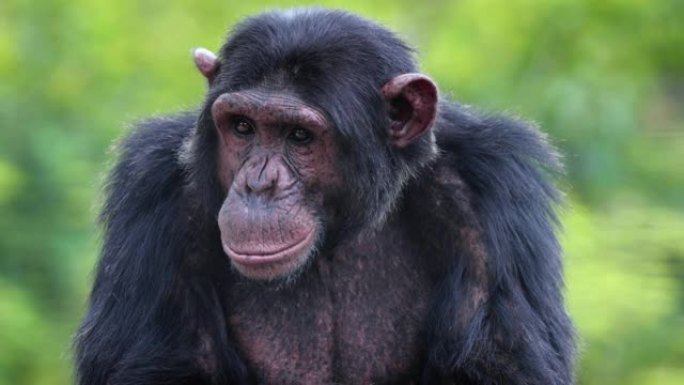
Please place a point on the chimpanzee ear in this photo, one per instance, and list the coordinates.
(206, 62)
(412, 106)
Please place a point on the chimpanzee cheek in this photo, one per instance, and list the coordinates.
(318, 164)
(229, 161)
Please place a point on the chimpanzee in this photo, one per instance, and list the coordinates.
(325, 217)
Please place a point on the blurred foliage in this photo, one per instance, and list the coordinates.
(604, 78)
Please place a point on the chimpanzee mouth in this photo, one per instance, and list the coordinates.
(277, 254)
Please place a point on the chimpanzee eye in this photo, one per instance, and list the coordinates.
(300, 135)
(242, 127)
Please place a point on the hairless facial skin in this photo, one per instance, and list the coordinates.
(270, 148)
(327, 217)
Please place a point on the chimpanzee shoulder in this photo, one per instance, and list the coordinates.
(496, 174)
(148, 163)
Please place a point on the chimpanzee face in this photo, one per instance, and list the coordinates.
(275, 160)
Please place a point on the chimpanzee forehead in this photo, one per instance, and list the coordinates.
(315, 41)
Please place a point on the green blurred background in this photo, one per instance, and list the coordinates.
(604, 78)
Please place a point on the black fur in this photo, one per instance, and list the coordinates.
(155, 311)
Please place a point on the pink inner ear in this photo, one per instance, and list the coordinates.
(412, 100)
(206, 62)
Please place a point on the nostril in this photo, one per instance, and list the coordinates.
(252, 187)
(260, 185)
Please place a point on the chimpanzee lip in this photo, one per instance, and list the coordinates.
(259, 257)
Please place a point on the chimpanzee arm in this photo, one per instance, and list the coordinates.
(142, 326)
(500, 318)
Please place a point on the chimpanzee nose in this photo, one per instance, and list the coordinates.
(260, 185)
(261, 176)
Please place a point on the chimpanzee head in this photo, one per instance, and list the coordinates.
(314, 121)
